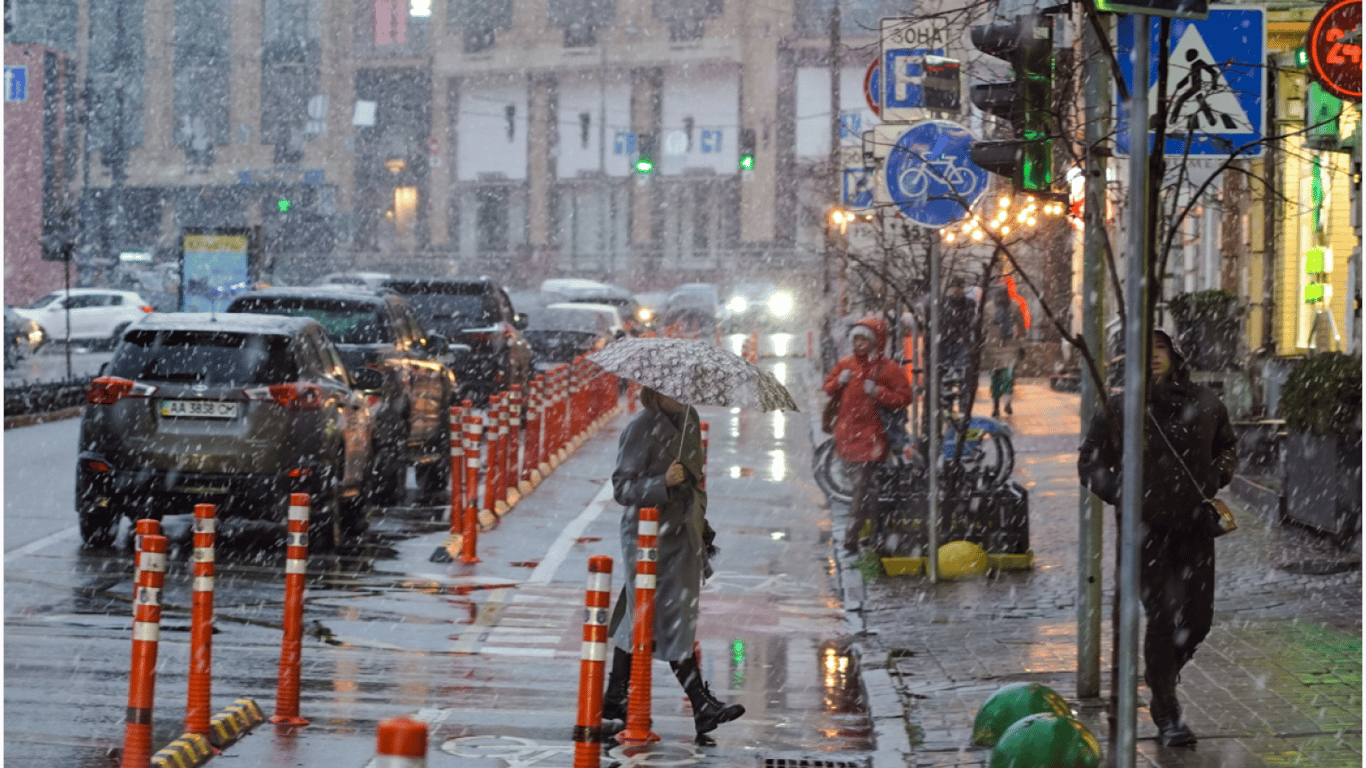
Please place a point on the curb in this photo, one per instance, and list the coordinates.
(188, 751)
(234, 722)
(29, 419)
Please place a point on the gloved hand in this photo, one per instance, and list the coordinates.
(870, 386)
(845, 376)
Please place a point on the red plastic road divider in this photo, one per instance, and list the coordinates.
(291, 645)
(637, 730)
(201, 622)
(593, 661)
(137, 734)
(401, 743)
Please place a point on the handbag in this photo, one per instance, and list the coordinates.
(1217, 518)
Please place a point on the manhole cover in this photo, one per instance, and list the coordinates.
(1319, 567)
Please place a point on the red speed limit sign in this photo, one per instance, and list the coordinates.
(1335, 48)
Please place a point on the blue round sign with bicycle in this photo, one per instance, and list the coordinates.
(929, 175)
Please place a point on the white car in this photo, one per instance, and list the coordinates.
(610, 312)
(97, 315)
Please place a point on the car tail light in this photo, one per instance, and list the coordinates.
(298, 397)
(146, 308)
(98, 466)
(108, 390)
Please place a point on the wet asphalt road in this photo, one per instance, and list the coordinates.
(487, 654)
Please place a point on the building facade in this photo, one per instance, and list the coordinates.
(453, 136)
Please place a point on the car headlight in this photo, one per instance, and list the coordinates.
(737, 305)
(780, 304)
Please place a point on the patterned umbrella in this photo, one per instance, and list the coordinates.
(694, 371)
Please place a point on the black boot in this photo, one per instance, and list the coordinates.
(707, 711)
(618, 686)
(1165, 709)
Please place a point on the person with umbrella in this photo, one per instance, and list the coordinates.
(660, 464)
(864, 382)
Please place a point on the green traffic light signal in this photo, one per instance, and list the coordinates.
(746, 162)
(644, 165)
(283, 205)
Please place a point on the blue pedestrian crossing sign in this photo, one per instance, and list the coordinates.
(1216, 82)
(929, 175)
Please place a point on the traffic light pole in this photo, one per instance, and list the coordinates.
(1136, 332)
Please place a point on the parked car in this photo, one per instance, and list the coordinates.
(234, 410)
(98, 316)
(561, 332)
(378, 330)
(23, 337)
(368, 280)
(594, 292)
(488, 351)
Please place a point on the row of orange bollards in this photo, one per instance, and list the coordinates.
(201, 729)
(522, 437)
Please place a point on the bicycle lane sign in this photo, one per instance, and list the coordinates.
(928, 174)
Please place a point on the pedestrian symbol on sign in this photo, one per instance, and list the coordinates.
(1202, 100)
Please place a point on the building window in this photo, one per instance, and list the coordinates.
(686, 18)
(117, 74)
(581, 19)
(491, 219)
(478, 21)
(405, 211)
(290, 61)
(392, 28)
(202, 69)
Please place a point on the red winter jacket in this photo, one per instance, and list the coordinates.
(858, 430)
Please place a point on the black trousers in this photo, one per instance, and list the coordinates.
(1176, 587)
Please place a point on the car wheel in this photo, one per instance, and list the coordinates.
(99, 524)
(434, 478)
(385, 487)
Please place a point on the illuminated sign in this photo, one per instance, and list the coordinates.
(1334, 47)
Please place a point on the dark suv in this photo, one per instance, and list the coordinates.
(412, 410)
(235, 410)
(488, 350)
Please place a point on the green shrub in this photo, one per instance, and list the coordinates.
(1211, 304)
(1322, 395)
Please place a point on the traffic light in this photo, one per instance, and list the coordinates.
(1026, 102)
(747, 149)
(645, 163)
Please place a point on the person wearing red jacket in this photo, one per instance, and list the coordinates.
(862, 382)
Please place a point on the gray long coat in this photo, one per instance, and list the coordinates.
(649, 444)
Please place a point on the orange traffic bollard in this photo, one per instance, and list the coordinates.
(456, 429)
(514, 454)
(201, 622)
(637, 730)
(527, 474)
(137, 734)
(144, 527)
(593, 662)
(291, 646)
(493, 458)
(706, 431)
(401, 743)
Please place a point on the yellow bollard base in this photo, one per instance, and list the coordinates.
(514, 496)
(544, 471)
(525, 487)
(500, 508)
(188, 751)
(487, 520)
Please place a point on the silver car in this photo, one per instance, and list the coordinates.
(234, 410)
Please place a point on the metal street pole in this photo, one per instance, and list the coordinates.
(829, 344)
(932, 414)
(1135, 396)
(1096, 92)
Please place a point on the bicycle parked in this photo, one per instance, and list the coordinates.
(986, 462)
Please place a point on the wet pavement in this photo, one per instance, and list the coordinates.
(1277, 682)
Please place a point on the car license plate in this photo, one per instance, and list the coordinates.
(199, 409)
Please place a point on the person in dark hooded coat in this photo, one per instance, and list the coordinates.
(864, 381)
(1189, 453)
(660, 464)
